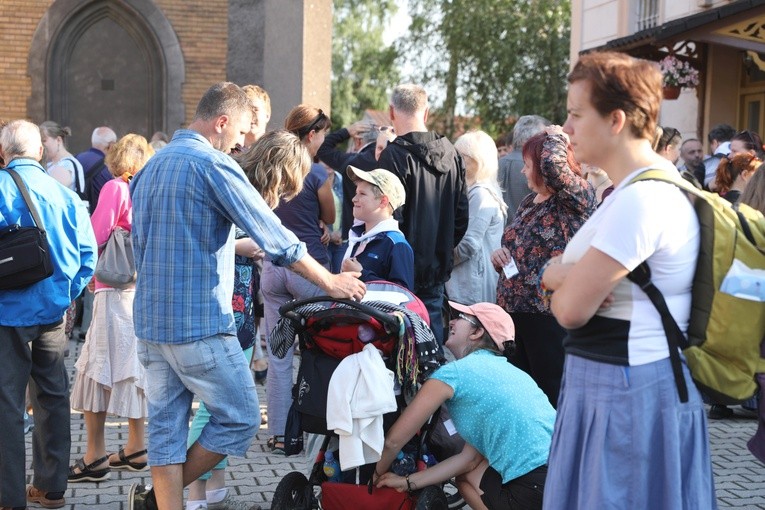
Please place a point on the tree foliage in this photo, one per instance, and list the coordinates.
(364, 68)
(498, 59)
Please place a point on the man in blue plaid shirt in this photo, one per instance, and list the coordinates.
(185, 202)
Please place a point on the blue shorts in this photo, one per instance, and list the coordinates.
(216, 370)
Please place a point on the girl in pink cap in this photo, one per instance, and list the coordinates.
(505, 419)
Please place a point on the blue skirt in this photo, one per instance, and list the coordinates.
(622, 439)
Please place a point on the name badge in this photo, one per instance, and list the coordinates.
(510, 269)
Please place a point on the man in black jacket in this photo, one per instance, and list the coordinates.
(435, 216)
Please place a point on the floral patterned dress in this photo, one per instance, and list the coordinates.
(541, 231)
(537, 233)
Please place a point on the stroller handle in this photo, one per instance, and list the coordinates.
(391, 322)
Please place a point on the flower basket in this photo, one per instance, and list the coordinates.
(677, 74)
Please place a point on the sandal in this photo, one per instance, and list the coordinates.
(276, 444)
(125, 461)
(88, 472)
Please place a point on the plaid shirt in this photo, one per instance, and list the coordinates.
(185, 201)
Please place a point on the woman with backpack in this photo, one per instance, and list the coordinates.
(623, 436)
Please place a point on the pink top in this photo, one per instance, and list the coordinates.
(114, 209)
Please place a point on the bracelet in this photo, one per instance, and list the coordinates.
(409, 485)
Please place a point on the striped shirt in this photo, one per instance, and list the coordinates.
(185, 202)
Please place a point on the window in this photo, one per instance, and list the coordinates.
(647, 14)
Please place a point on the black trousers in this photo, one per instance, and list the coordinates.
(35, 355)
(539, 350)
(522, 493)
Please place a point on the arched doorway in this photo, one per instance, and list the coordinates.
(105, 64)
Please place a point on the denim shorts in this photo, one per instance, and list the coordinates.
(216, 371)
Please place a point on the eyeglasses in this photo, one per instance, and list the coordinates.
(468, 318)
(304, 131)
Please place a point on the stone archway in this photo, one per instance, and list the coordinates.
(106, 63)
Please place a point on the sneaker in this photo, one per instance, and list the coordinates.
(141, 497)
(231, 504)
(45, 499)
(720, 412)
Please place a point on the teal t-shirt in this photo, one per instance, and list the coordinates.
(500, 411)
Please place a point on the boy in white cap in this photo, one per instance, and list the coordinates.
(376, 246)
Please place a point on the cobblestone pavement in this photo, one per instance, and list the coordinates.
(739, 477)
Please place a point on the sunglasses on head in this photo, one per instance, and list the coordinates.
(312, 126)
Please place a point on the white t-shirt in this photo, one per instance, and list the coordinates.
(648, 220)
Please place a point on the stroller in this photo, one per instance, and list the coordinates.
(395, 321)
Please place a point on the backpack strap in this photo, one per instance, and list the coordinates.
(79, 178)
(27, 199)
(745, 228)
(641, 276)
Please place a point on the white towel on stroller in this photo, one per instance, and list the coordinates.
(360, 392)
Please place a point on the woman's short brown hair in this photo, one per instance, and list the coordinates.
(128, 154)
(620, 82)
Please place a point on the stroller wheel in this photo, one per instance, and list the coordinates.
(293, 493)
(432, 498)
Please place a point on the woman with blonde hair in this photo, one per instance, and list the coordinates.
(110, 379)
(473, 278)
(306, 216)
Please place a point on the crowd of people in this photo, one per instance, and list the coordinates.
(561, 385)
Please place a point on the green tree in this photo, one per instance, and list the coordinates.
(364, 68)
(498, 58)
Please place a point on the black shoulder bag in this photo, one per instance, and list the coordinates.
(24, 252)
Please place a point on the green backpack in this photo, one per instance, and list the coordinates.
(724, 332)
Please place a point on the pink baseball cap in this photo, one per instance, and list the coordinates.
(493, 318)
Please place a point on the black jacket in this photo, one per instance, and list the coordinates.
(339, 160)
(435, 215)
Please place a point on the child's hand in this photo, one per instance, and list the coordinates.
(351, 264)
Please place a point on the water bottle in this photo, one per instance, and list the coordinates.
(331, 467)
(403, 465)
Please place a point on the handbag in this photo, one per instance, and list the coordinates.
(116, 266)
(25, 256)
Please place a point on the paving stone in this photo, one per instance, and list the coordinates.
(739, 477)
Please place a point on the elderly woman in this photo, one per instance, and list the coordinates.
(473, 278)
(305, 215)
(623, 438)
(499, 410)
(560, 202)
(110, 379)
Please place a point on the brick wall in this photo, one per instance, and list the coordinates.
(18, 19)
(200, 25)
(202, 29)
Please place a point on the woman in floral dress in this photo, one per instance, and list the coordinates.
(560, 202)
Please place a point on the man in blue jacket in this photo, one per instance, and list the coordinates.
(32, 339)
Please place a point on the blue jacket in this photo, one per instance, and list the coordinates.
(70, 236)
